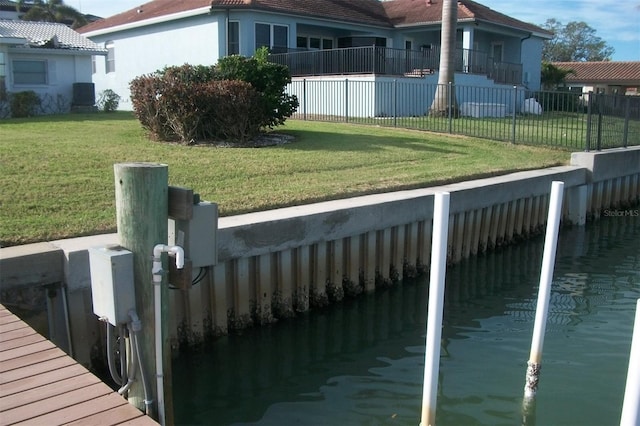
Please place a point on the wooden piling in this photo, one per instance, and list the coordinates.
(142, 212)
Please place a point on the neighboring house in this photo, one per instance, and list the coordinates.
(317, 38)
(617, 78)
(8, 10)
(49, 59)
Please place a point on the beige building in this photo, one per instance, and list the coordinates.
(603, 77)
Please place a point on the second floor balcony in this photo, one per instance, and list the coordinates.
(393, 62)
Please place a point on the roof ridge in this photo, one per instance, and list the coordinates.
(392, 13)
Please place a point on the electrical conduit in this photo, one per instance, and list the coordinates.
(157, 271)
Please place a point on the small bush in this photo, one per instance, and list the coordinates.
(234, 100)
(558, 101)
(236, 112)
(24, 104)
(267, 78)
(108, 101)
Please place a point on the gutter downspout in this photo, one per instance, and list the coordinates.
(521, 52)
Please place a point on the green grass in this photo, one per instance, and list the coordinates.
(57, 171)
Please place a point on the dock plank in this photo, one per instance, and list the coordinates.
(31, 382)
(42, 385)
(46, 391)
(22, 341)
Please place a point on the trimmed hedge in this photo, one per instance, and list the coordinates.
(233, 101)
(24, 104)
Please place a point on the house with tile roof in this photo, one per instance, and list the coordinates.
(48, 58)
(608, 77)
(320, 39)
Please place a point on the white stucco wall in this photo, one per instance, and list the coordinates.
(368, 96)
(63, 69)
(144, 50)
(531, 62)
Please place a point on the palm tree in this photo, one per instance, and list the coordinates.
(552, 76)
(51, 11)
(440, 106)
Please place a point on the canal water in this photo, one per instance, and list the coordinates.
(361, 362)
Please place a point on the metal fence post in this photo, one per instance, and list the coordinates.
(395, 102)
(450, 107)
(513, 123)
(587, 144)
(304, 99)
(627, 113)
(346, 100)
(599, 131)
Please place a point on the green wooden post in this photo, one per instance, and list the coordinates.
(141, 212)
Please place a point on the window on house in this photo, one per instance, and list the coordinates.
(275, 37)
(29, 72)
(3, 71)
(93, 64)
(280, 36)
(314, 43)
(110, 64)
(263, 36)
(408, 44)
(233, 38)
(496, 52)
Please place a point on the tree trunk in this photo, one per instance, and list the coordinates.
(443, 101)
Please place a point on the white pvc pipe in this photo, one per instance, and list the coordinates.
(157, 302)
(435, 307)
(631, 405)
(544, 291)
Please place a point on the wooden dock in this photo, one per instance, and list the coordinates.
(42, 385)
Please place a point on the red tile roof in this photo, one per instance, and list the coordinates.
(361, 11)
(408, 12)
(602, 72)
(371, 12)
(149, 10)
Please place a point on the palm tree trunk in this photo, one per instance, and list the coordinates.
(443, 101)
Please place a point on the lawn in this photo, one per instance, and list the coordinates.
(57, 171)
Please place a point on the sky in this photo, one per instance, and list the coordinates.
(616, 21)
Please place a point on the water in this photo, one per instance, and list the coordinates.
(361, 363)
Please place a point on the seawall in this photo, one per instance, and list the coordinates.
(275, 264)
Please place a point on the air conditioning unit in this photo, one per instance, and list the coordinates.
(84, 94)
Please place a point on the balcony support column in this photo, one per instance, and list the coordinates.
(467, 48)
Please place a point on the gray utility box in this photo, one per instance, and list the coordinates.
(112, 289)
(197, 236)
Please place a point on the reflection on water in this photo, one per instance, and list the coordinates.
(362, 362)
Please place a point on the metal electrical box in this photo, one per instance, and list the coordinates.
(112, 287)
(197, 236)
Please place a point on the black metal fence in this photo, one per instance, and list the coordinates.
(396, 62)
(566, 120)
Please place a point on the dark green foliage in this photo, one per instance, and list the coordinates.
(108, 101)
(553, 77)
(576, 41)
(267, 78)
(51, 11)
(24, 104)
(233, 101)
(558, 101)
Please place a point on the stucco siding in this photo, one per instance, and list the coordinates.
(148, 49)
(531, 63)
(62, 71)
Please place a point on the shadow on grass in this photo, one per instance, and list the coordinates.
(72, 118)
(329, 141)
